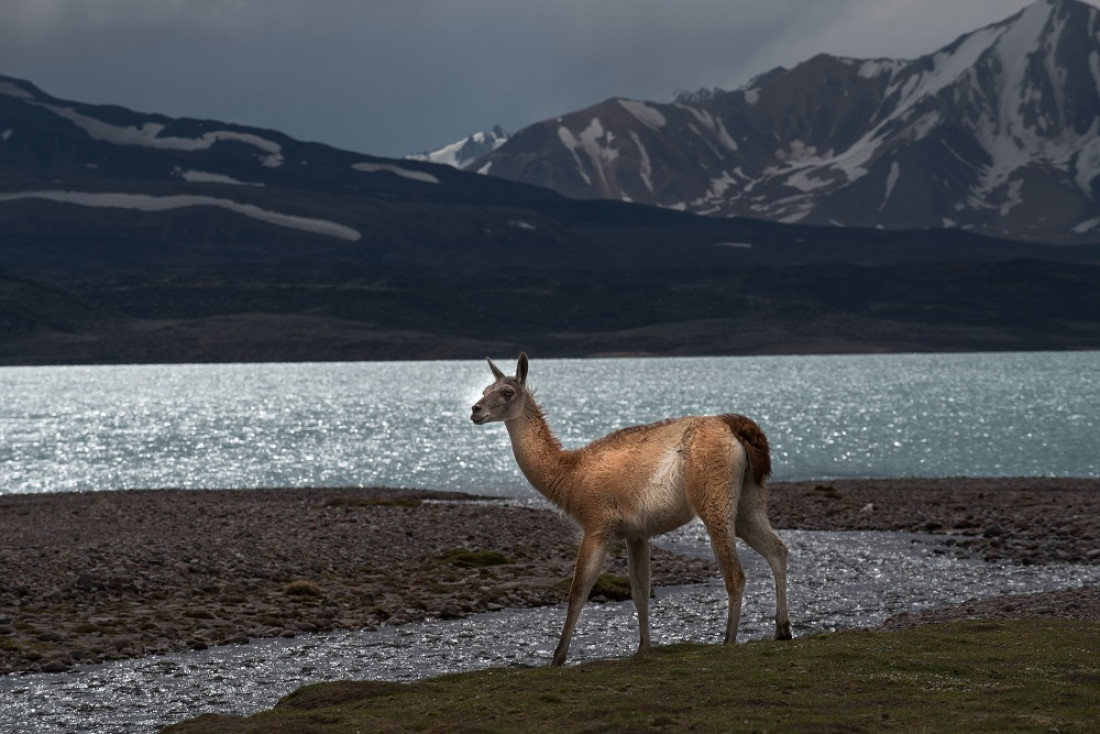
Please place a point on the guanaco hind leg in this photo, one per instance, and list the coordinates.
(713, 472)
(755, 529)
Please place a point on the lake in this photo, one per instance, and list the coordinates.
(406, 424)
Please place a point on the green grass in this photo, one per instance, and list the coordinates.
(475, 559)
(1027, 675)
(608, 585)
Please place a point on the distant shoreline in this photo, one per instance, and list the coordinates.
(468, 350)
(98, 576)
(271, 313)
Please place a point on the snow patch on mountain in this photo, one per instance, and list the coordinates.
(207, 177)
(597, 145)
(1087, 165)
(891, 182)
(421, 176)
(871, 68)
(1017, 133)
(806, 181)
(646, 170)
(145, 202)
(947, 68)
(462, 153)
(569, 140)
(148, 135)
(648, 116)
(714, 126)
(13, 90)
(1089, 225)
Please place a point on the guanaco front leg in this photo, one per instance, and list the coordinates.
(638, 558)
(589, 562)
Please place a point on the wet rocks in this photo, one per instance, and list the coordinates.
(101, 576)
(141, 573)
(1022, 520)
(1080, 604)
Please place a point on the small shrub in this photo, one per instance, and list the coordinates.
(614, 588)
(608, 586)
(476, 559)
(302, 588)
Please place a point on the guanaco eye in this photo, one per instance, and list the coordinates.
(508, 393)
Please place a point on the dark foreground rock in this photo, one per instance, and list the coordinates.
(99, 576)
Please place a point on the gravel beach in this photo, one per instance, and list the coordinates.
(88, 577)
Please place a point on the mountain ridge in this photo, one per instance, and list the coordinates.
(132, 237)
(462, 153)
(205, 192)
(998, 132)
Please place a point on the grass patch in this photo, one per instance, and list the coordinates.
(302, 588)
(608, 585)
(615, 588)
(475, 559)
(8, 644)
(1028, 675)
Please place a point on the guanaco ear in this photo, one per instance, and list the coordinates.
(496, 370)
(521, 368)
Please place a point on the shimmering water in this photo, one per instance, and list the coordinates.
(837, 580)
(406, 424)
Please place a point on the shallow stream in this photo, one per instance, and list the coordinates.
(837, 580)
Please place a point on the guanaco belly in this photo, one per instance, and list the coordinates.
(660, 504)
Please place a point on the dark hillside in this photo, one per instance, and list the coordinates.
(341, 311)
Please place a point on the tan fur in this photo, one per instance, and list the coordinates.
(642, 481)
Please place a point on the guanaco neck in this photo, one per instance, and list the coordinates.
(540, 455)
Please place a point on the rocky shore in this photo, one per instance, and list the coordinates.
(1024, 520)
(98, 576)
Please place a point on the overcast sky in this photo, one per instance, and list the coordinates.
(390, 77)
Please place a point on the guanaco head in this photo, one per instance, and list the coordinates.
(504, 399)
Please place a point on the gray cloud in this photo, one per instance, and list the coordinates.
(390, 77)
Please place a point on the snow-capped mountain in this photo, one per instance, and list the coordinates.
(86, 186)
(462, 153)
(998, 133)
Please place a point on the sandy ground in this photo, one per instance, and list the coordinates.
(99, 576)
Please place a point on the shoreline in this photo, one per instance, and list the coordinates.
(97, 576)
